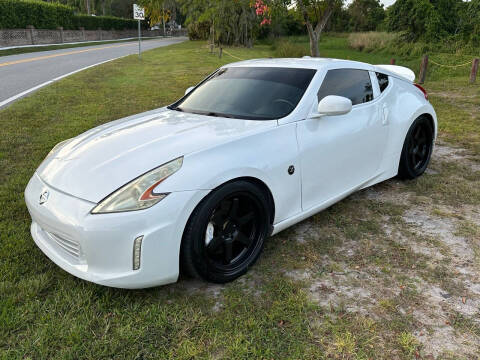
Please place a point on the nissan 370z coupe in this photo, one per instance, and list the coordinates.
(254, 148)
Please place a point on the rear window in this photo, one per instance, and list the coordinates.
(382, 81)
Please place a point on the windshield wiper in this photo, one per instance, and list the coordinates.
(176, 108)
(218, 115)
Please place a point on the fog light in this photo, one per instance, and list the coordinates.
(137, 251)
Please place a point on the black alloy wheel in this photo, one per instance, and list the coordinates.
(417, 149)
(226, 232)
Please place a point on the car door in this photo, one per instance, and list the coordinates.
(340, 153)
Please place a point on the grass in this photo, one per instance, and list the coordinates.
(363, 284)
(371, 41)
(31, 49)
(289, 49)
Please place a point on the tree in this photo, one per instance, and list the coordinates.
(425, 19)
(316, 14)
(122, 8)
(470, 15)
(365, 15)
(227, 21)
(158, 10)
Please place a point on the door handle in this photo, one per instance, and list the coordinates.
(385, 114)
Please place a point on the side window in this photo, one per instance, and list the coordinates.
(350, 83)
(382, 81)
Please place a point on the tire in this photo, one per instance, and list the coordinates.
(417, 149)
(226, 232)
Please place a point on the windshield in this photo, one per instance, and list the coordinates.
(248, 93)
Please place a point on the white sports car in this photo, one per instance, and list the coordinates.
(254, 148)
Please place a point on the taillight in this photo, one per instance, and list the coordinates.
(422, 90)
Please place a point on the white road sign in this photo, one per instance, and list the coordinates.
(138, 12)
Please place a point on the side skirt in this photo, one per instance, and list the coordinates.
(315, 209)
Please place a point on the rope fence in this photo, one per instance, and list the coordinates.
(425, 61)
(221, 50)
(423, 64)
(235, 57)
(450, 66)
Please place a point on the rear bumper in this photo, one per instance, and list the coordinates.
(99, 248)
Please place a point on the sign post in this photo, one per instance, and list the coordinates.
(139, 14)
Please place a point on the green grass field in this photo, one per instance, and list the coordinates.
(356, 281)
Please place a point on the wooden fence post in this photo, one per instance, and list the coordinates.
(473, 72)
(82, 29)
(392, 61)
(423, 69)
(31, 31)
(60, 30)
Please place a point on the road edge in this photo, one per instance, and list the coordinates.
(35, 88)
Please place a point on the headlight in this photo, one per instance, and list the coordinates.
(58, 147)
(138, 194)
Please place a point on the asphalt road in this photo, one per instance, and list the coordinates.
(23, 72)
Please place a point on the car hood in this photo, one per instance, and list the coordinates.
(101, 160)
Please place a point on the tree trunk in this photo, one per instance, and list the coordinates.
(314, 49)
(314, 34)
(87, 6)
(163, 18)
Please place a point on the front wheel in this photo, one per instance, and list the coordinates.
(417, 149)
(226, 232)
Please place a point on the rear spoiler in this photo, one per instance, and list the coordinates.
(399, 71)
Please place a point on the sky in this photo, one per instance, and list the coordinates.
(384, 2)
(387, 2)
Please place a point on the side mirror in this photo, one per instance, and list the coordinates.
(334, 105)
(189, 89)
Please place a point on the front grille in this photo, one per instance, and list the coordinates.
(70, 246)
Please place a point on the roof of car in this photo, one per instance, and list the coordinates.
(306, 62)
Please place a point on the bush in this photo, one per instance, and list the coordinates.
(42, 15)
(18, 14)
(372, 40)
(400, 45)
(199, 30)
(288, 49)
(104, 22)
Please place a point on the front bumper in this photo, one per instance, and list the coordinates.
(99, 248)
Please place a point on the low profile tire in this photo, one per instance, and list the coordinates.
(417, 149)
(226, 232)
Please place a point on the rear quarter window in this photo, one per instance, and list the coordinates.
(382, 81)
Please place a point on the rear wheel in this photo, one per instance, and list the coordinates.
(226, 232)
(417, 149)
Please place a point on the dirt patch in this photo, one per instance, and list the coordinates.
(443, 229)
(441, 293)
(436, 330)
(442, 152)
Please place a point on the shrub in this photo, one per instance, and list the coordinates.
(370, 41)
(400, 45)
(18, 14)
(288, 49)
(199, 30)
(104, 22)
(42, 15)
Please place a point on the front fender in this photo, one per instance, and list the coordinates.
(266, 156)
